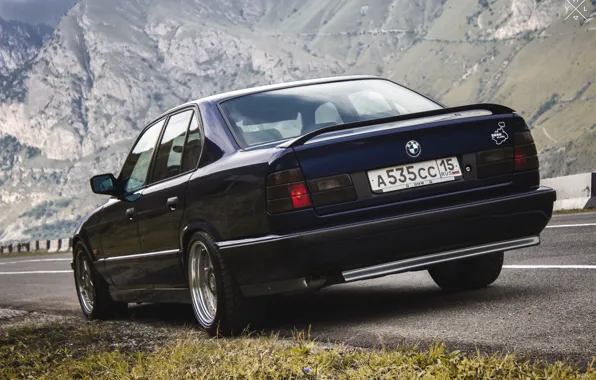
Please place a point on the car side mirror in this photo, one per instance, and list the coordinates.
(178, 148)
(104, 184)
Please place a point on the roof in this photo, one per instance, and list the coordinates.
(233, 94)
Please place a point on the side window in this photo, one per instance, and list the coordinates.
(169, 154)
(327, 113)
(136, 167)
(192, 149)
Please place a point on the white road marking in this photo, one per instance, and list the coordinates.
(571, 225)
(549, 266)
(32, 261)
(39, 272)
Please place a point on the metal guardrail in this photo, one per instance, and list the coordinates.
(574, 192)
(61, 245)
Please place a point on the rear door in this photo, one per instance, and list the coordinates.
(162, 203)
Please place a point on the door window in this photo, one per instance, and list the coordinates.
(192, 149)
(136, 167)
(169, 154)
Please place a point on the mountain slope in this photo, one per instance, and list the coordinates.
(19, 43)
(112, 65)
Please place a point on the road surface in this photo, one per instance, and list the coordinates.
(543, 304)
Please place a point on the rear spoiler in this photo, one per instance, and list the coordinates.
(494, 108)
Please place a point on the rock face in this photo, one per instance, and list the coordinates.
(112, 65)
(19, 44)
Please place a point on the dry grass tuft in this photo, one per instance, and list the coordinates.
(92, 351)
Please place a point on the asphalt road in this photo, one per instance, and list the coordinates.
(543, 304)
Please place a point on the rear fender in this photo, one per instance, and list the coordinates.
(191, 229)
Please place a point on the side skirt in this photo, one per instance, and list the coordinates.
(151, 294)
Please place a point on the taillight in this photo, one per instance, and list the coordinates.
(287, 191)
(494, 162)
(526, 155)
(501, 161)
(332, 190)
(299, 195)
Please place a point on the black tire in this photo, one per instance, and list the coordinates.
(102, 305)
(475, 273)
(233, 312)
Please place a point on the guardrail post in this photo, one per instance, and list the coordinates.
(54, 246)
(592, 202)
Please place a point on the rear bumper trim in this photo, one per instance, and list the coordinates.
(437, 258)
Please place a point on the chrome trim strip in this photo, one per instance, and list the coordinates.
(140, 255)
(250, 241)
(436, 258)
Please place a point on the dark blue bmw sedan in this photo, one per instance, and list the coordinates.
(290, 188)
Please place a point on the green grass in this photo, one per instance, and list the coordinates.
(563, 212)
(98, 351)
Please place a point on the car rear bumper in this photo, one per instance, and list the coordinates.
(301, 261)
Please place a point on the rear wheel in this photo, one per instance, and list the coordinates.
(218, 305)
(92, 290)
(473, 273)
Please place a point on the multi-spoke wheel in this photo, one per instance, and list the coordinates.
(203, 284)
(218, 305)
(92, 289)
(85, 284)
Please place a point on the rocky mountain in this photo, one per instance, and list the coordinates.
(35, 12)
(111, 65)
(19, 44)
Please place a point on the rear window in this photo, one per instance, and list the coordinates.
(288, 113)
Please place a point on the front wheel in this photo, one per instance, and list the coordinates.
(474, 273)
(92, 290)
(218, 305)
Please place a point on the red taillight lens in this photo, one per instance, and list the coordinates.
(287, 191)
(526, 155)
(299, 194)
(520, 162)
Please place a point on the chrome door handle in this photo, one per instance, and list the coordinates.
(172, 203)
(130, 213)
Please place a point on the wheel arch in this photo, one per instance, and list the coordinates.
(187, 233)
(81, 238)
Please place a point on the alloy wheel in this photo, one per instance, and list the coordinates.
(203, 284)
(85, 284)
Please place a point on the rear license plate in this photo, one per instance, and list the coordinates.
(414, 175)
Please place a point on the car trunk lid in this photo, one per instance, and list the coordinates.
(439, 142)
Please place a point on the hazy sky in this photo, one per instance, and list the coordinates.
(35, 11)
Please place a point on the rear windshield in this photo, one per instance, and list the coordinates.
(282, 114)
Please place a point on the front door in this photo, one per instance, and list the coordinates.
(119, 232)
(119, 236)
(162, 205)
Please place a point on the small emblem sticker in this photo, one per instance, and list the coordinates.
(500, 136)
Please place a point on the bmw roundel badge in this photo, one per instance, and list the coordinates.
(413, 148)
